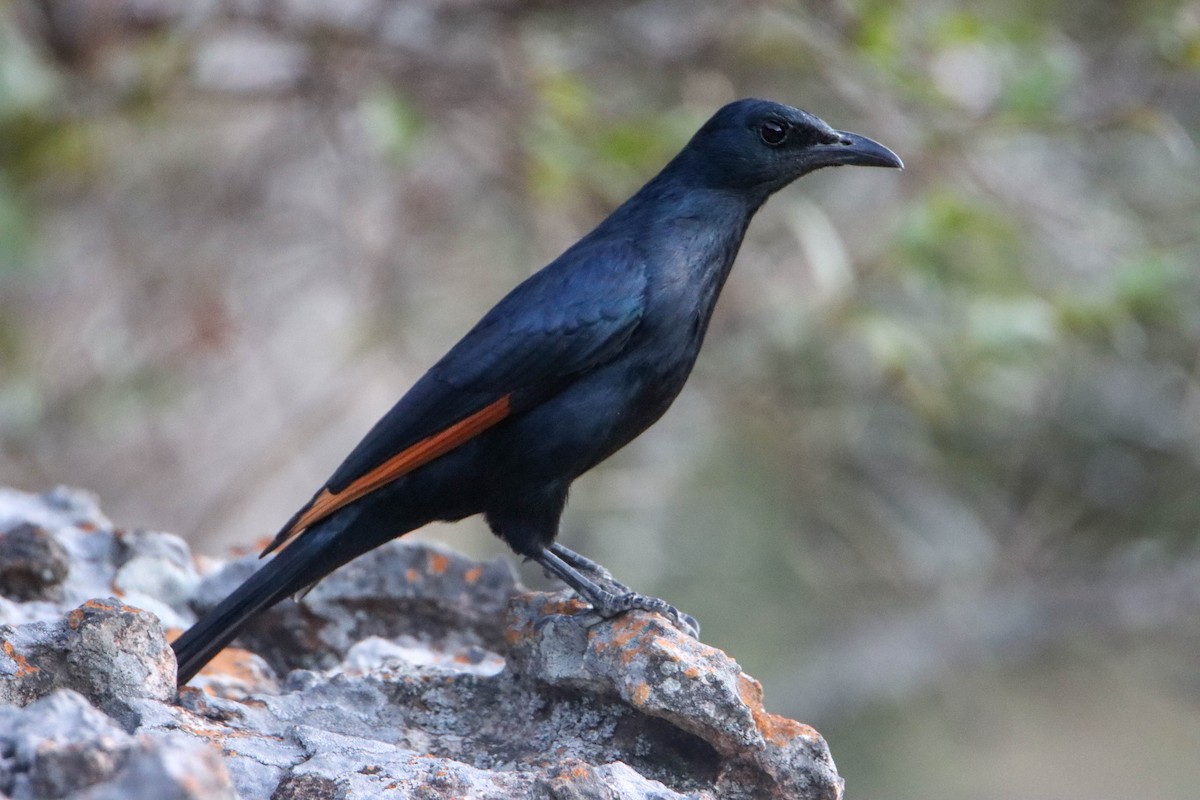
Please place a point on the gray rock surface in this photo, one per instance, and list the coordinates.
(410, 673)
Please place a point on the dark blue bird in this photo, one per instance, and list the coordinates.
(567, 369)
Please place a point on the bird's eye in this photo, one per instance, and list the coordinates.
(773, 132)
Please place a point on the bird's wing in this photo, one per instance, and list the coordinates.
(574, 315)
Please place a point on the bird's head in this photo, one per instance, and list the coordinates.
(759, 146)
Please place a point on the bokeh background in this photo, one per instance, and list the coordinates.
(936, 480)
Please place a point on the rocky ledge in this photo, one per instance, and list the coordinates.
(411, 673)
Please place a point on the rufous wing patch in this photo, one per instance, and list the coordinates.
(401, 464)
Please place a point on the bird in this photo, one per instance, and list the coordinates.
(565, 370)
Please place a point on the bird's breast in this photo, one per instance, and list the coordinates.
(604, 409)
(597, 414)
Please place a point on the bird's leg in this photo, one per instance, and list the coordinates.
(601, 575)
(607, 603)
(585, 564)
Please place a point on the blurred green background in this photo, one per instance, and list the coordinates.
(936, 480)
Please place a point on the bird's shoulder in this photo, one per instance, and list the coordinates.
(574, 314)
(559, 320)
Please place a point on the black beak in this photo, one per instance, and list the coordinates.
(857, 151)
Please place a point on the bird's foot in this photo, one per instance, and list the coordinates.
(610, 605)
(607, 596)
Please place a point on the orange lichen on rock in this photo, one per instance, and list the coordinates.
(629, 627)
(558, 604)
(438, 563)
(472, 575)
(24, 668)
(217, 733)
(671, 647)
(75, 618)
(576, 770)
(775, 729)
(513, 634)
(232, 662)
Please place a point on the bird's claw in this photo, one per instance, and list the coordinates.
(608, 597)
(616, 604)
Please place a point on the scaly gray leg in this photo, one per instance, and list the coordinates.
(585, 564)
(569, 567)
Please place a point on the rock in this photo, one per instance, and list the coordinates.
(57, 745)
(411, 672)
(61, 746)
(32, 564)
(663, 673)
(152, 571)
(107, 651)
(446, 601)
(168, 767)
(155, 564)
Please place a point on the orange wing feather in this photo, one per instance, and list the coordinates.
(401, 464)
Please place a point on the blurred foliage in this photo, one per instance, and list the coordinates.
(393, 121)
(571, 143)
(940, 451)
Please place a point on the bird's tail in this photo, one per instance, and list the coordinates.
(302, 563)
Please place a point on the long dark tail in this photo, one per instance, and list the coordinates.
(304, 561)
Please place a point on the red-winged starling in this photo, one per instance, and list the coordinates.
(574, 363)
